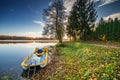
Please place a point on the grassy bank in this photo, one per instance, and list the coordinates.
(83, 62)
(108, 43)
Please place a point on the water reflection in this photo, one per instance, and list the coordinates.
(11, 56)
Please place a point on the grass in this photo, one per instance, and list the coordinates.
(7, 77)
(109, 43)
(80, 61)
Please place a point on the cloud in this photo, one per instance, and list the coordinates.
(112, 16)
(41, 23)
(68, 5)
(105, 2)
(31, 34)
(95, 0)
(50, 3)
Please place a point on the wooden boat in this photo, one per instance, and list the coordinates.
(36, 59)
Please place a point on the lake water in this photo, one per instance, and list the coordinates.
(11, 56)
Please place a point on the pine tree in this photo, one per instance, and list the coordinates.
(109, 28)
(85, 17)
(73, 26)
(116, 31)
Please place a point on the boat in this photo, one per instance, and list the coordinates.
(39, 57)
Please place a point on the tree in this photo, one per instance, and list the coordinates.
(85, 17)
(73, 26)
(54, 17)
(109, 28)
(116, 31)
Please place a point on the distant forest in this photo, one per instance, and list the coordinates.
(5, 37)
(107, 30)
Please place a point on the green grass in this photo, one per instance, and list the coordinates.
(109, 43)
(80, 61)
(7, 77)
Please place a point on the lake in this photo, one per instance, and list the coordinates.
(11, 56)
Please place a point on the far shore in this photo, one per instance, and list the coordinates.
(27, 41)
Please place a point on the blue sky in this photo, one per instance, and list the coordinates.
(108, 8)
(18, 17)
(24, 17)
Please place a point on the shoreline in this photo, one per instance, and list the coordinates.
(80, 61)
(27, 41)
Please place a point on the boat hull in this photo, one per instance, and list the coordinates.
(34, 60)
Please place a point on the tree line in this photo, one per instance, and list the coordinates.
(109, 29)
(6, 37)
(80, 22)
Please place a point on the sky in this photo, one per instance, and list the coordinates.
(24, 17)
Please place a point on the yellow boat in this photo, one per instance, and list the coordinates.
(38, 58)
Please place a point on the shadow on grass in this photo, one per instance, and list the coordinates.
(61, 45)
